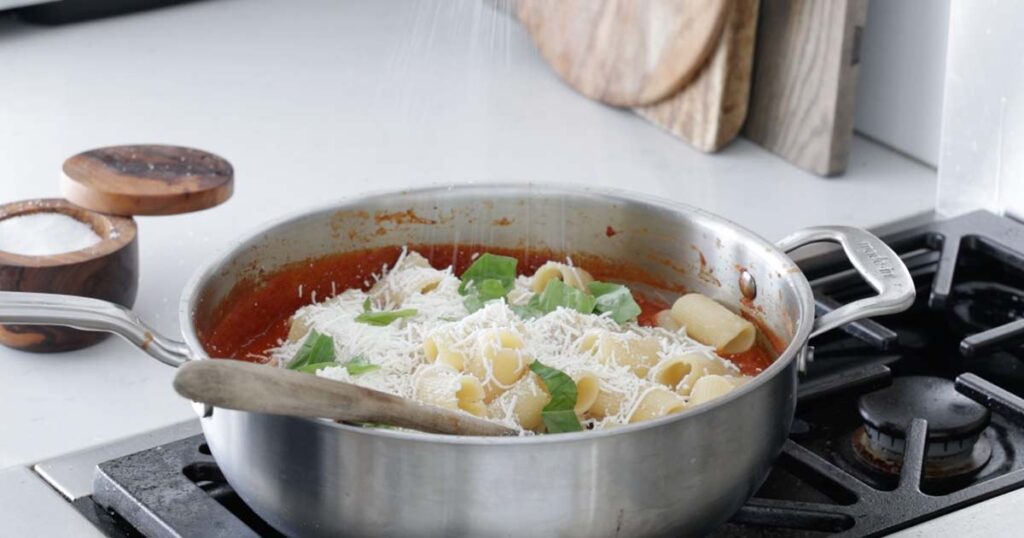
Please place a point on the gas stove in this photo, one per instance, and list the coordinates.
(900, 420)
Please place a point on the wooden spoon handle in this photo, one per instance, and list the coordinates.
(245, 386)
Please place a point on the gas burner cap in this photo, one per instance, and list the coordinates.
(951, 416)
(955, 444)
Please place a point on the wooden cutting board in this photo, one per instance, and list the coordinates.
(625, 52)
(709, 111)
(803, 90)
(684, 65)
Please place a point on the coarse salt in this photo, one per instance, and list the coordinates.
(45, 234)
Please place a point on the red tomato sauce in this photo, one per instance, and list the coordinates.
(255, 315)
(648, 308)
(752, 361)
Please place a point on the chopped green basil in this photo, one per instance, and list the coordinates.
(490, 277)
(557, 293)
(530, 310)
(501, 269)
(616, 300)
(490, 288)
(473, 303)
(366, 305)
(317, 349)
(381, 319)
(563, 421)
(312, 368)
(559, 414)
(487, 291)
(359, 365)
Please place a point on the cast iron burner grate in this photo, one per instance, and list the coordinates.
(170, 491)
(874, 512)
(966, 325)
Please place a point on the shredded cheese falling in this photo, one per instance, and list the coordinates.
(556, 339)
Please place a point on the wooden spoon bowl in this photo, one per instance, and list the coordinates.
(107, 270)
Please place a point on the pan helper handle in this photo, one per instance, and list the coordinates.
(880, 266)
(90, 315)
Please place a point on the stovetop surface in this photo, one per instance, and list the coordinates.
(858, 463)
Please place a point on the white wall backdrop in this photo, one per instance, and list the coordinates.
(903, 58)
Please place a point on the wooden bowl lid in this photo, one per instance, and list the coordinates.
(147, 180)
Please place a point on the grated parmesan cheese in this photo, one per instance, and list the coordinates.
(556, 339)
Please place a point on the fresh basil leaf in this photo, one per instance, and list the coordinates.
(473, 303)
(564, 421)
(318, 348)
(616, 300)
(557, 293)
(559, 414)
(530, 310)
(366, 305)
(478, 295)
(312, 368)
(489, 267)
(381, 319)
(359, 365)
(491, 288)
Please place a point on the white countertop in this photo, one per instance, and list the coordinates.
(322, 101)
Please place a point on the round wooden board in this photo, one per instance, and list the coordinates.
(147, 180)
(625, 52)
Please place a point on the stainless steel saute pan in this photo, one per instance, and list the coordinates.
(680, 475)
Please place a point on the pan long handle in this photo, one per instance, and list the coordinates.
(874, 260)
(91, 315)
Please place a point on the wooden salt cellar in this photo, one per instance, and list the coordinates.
(108, 270)
(104, 187)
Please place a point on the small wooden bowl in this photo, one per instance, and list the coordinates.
(108, 270)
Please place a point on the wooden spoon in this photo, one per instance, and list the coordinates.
(245, 386)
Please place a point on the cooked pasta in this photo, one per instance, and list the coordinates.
(519, 349)
(665, 320)
(698, 365)
(499, 360)
(609, 403)
(573, 276)
(439, 349)
(588, 385)
(638, 353)
(709, 387)
(657, 402)
(670, 371)
(444, 386)
(526, 401)
(713, 324)
(297, 329)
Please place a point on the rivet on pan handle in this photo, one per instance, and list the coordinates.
(874, 260)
